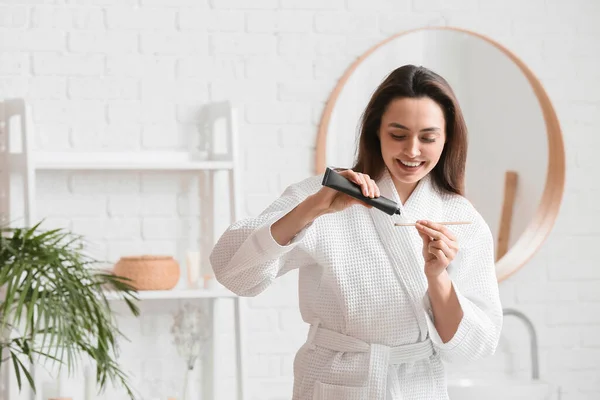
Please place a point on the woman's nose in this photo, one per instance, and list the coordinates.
(412, 149)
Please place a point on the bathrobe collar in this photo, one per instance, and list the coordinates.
(403, 244)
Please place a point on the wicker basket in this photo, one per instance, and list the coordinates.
(149, 272)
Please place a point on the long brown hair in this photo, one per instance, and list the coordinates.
(416, 82)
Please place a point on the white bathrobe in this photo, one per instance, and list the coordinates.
(363, 291)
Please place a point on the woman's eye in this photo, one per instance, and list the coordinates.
(428, 140)
(397, 137)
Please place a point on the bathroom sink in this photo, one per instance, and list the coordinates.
(501, 389)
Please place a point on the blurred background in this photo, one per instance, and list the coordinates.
(133, 76)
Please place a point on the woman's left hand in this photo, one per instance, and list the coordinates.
(439, 247)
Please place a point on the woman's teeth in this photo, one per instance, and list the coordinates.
(410, 164)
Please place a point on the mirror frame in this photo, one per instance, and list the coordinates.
(539, 228)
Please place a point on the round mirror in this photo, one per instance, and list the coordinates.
(515, 163)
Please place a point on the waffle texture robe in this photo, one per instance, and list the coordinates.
(363, 291)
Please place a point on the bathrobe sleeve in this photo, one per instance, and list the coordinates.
(246, 259)
(474, 280)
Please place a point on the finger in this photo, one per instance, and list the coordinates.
(372, 186)
(438, 227)
(434, 249)
(425, 238)
(442, 237)
(367, 184)
(364, 185)
(374, 189)
(441, 245)
(352, 175)
(439, 255)
(435, 235)
(357, 178)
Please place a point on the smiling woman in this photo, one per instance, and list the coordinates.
(429, 303)
(515, 167)
(388, 305)
(412, 122)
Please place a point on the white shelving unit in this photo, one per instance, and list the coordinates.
(146, 161)
(18, 159)
(179, 294)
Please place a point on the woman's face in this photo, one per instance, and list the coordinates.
(412, 136)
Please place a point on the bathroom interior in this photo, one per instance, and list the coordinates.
(146, 127)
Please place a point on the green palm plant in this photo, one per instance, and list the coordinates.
(55, 307)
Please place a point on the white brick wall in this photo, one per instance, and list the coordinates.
(114, 74)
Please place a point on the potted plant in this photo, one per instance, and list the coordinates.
(54, 305)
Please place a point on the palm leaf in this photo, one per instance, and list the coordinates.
(56, 305)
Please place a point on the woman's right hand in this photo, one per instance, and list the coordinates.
(325, 201)
(329, 200)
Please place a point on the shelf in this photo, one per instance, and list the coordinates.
(143, 160)
(177, 294)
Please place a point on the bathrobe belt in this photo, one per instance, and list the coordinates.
(382, 379)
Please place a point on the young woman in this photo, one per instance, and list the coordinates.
(387, 305)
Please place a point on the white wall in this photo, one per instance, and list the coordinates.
(128, 74)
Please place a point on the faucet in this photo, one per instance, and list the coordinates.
(535, 367)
